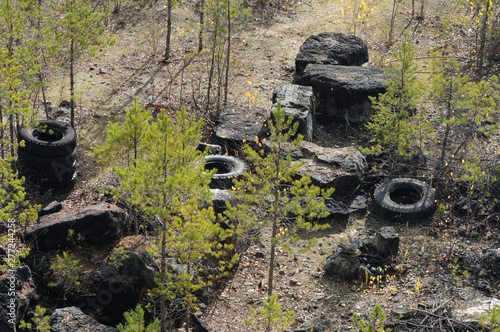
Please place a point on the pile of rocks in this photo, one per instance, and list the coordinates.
(330, 63)
(363, 259)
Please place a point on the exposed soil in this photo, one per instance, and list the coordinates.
(424, 271)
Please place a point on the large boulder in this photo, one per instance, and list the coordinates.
(122, 284)
(94, 225)
(298, 101)
(340, 168)
(72, 319)
(344, 91)
(331, 48)
(238, 125)
(17, 293)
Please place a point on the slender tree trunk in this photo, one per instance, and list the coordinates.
(72, 82)
(12, 130)
(393, 18)
(482, 36)
(2, 132)
(169, 30)
(447, 130)
(272, 258)
(212, 64)
(153, 5)
(163, 297)
(275, 225)
(422, 9)
(220, 74)
(202, 22)
(44, 98)
(228, 53)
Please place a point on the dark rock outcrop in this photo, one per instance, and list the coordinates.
(387, 242)
(298, 102)
(331, 48)
(340, 168)
(344, 91)
(123, 283)
(358, 204)
(49, 208)
(94, 225)
(72, 319)
(238, 125)
(363, 258)
(491, 259)
(17, 293)
(344, 263)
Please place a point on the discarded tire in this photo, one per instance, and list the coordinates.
(59, 187)
(48, 139)
(47, 163)
(405, 199)
(56, 175)
(47, 158)
(228, 168)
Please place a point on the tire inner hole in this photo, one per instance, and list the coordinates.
(48, 136)
(405, 195)
(222, 168)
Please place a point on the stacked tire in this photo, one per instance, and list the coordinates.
(48, 156)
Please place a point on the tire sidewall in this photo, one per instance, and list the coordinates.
(43, 148)
(388, 209)
(236, 168)
(29, 160)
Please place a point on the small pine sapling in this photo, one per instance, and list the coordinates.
(271, 192)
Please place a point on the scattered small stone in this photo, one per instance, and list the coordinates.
(402, 312)
(50, 208)
(259, 254)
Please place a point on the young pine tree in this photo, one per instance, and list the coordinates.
(79, 28)
(169, 184)
(13, 205)
(466, 110)
(398, 121)
(271, 194)
(125, 144)
(135, 322)
(13, 101)
(270, 317)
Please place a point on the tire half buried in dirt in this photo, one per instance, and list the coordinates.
(405, 199)
(228, 168)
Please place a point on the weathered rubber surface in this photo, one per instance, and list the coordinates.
(29, 160)
(228, 167)
(60, 143)
(423, 207)
(57, 175)
(58, 188)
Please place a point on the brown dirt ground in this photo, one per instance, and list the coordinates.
(265, 52)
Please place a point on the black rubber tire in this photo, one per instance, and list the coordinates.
(57, 175)
(404, 199)
(29, 160)
(58, 188)
(60, 143)
(228, 168)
